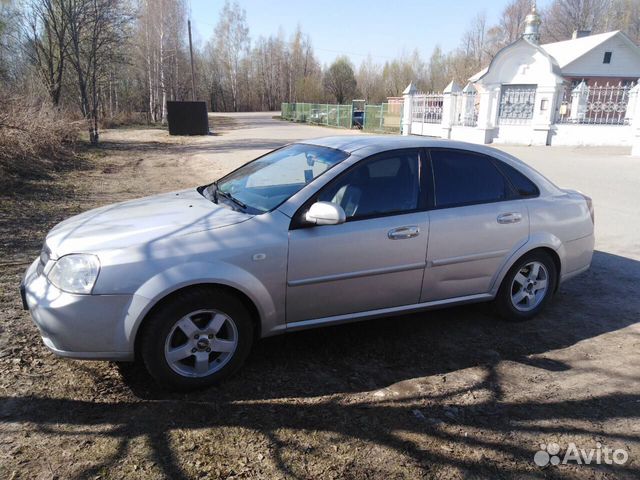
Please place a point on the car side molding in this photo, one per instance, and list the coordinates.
(383, 312)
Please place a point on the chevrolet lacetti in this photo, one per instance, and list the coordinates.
(314, 233)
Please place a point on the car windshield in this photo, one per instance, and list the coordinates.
(265, 183)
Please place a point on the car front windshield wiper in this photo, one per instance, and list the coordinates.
(228, 196)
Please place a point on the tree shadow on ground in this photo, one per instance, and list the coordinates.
(344, 365)
(29, 207)
(483, 424)
(42, 179)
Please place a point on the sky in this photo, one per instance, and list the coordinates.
(384, 29)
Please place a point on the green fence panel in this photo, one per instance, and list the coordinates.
(287, 111)
(299, 113)
(332, 115)
(383, 118)
(318, 114)
(373, 118)
(345, 116)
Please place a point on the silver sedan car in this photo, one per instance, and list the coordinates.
(315, 233)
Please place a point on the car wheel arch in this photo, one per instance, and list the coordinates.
(192, 274)
(554, 256)
(212, 286)
(554, 248)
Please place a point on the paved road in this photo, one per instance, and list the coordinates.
(609, 175)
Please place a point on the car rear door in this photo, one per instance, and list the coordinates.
(376, 258)
(477, 221)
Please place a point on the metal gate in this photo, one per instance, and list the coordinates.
(595, 104)
(516, 104)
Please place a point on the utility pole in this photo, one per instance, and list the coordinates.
(193, 77)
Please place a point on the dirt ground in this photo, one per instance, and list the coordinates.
(453, 393)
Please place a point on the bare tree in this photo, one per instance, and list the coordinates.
(625, 15)
(46, 31)
(474, 41)
(509, 28)
(162, 53)
(397, 74)
(232, 43)
(10, 31)
(511, 22)
(563, 17)
(302, 73)
(96, 31)
(369, 79)
(439, 70)
(269, 63)
(211, 78)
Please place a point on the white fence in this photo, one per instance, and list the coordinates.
(527, 114)
(595, 105)
(465, 105)
(427, 107)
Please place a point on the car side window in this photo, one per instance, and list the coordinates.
(463, 178)
(387, 184)
(524, 186)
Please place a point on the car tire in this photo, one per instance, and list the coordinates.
(196, 339)
(523, 292)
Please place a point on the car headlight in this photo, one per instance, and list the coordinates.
(75, 273)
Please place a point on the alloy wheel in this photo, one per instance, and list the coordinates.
(201, 343)
(529, 286)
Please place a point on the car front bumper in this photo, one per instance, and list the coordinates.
(89, 327)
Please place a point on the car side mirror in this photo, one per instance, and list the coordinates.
(325, 213)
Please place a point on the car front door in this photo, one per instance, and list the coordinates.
(477, 221)
(376, 258)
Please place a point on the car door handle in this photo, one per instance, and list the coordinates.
(401, 233)
(511, 217)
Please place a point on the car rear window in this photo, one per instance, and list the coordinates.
(523, 186)
(463, 178)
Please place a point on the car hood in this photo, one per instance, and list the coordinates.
(139, 221)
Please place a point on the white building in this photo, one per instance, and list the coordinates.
(539, 94)
(610, 57)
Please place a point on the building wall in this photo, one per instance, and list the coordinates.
(427, 129)
(515, 135)
(591, 135)
(521, 63)
(469, 134)
(625, 62)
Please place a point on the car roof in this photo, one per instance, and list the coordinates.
(366, 145)
(382, 143)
